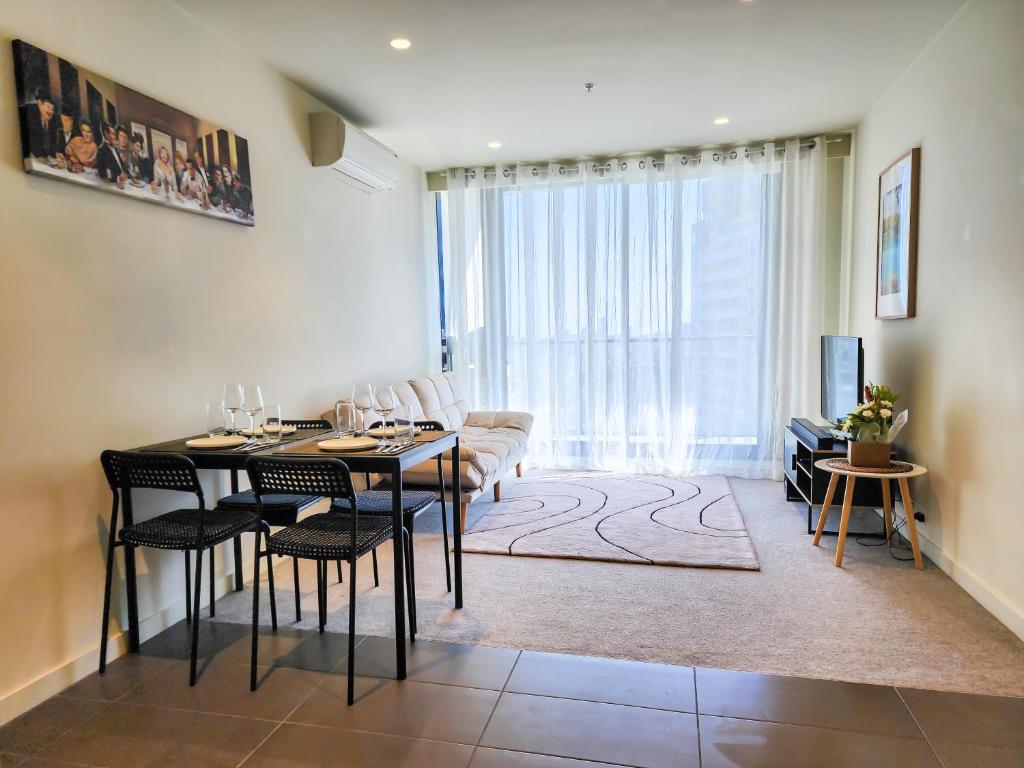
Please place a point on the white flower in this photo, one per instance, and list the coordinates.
(887, 403)
(867, 414)
(859, 407)
(847, 425)
(885, 413)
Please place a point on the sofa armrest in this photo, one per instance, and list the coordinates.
(497, 419)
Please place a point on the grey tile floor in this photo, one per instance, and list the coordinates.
(489, 707)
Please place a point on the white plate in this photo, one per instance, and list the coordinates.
(390, 431)
(342, 444)
(213, 443)
(286, 429)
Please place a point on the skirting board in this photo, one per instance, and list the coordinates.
(992, 601)
(51, 683)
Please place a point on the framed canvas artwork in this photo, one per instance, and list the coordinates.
(81, 127)
(896, 261)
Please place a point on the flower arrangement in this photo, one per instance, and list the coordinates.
(872, 420)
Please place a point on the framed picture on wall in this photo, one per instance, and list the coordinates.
(83, 128)
(896, 262)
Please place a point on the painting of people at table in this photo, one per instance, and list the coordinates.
(84, 128)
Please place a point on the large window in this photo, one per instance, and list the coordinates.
(636, 315)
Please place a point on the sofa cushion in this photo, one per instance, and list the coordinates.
(441, 399)
(485, 455)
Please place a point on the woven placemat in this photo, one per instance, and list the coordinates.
(894, 468)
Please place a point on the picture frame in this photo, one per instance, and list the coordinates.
(81, 127)
(896, 244)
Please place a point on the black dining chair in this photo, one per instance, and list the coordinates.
(281, 509)
(322, 537)
(187, 529)
(377, 501)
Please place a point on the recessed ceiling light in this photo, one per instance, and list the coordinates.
(723, 120)
(494, 144)
(400, 44)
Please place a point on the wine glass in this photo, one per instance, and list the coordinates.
(363, 399)
(386, 403)
(232, 403)
(273, 426)
(215, 418)
(252, 404)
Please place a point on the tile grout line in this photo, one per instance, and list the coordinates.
(324, 676)
(497, 700)
(914, 718)
(696, 715)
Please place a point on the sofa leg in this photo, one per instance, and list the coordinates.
(462, 516)
(497, 491)
(519, 469)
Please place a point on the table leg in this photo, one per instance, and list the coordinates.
(238, 540)
(829, 495)
(908, 510)
(887, 508)
(844, 524)
(396, 545)
(456, 509)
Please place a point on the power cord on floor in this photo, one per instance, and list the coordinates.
(897, 544)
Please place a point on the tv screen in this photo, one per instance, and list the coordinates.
(842, 376)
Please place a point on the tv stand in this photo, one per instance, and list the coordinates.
(805, 482)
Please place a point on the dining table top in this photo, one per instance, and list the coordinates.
(303, 443)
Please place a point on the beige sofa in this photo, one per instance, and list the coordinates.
(492, 443)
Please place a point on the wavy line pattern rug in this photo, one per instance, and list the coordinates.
(652, 519)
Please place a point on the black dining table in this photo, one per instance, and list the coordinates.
(303, 442)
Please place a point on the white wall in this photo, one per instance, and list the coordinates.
(119, 319)
(960, 363)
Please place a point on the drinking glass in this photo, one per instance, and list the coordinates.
(232, 403)
(386, 404)
(272, 424)
(345, 417)
(404, 426)
(215, 418)
(252, 404)
(363, 399)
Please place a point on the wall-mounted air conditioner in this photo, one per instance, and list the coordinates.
(351, 155)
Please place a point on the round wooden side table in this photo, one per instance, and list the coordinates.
(852, 474)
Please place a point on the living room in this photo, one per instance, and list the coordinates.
(540, 292)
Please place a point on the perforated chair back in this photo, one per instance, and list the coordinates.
(308, 424)
(162, 471)
(328, 478)
(430, 426)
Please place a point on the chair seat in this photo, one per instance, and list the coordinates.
(329, 537)
(278, 508)
(378, 502)
(178, 529)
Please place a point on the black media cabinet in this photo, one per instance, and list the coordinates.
(805, 482)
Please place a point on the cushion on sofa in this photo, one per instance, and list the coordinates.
(441, 399)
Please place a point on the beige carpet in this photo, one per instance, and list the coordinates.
(650, 519)
(875, 620)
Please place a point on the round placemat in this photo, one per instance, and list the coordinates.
(894, 468)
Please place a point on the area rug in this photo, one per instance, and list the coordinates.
(651, 519)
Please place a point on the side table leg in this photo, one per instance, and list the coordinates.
(829, 494)
(908, 510)
(851, 481)
(887, 507)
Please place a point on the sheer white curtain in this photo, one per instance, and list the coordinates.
(654, 316)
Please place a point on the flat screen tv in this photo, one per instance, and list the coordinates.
(842, 376)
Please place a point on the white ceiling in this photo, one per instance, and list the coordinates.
(513, 70)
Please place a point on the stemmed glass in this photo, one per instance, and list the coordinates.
(232, 404)
(362, 399)
(252, 404)
(386, 402)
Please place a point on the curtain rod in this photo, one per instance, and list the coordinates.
(717, 154)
